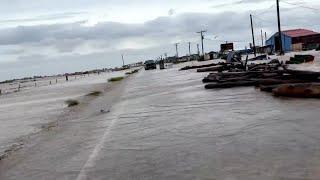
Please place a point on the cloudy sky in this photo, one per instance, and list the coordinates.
(39, 37)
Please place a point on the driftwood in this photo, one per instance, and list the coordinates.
(278, 81)
(269, 77)
(262, 57)
(231, 84)
(202, 66)
(223, 67)
(233, 79)
(304, 74)
(305, 90)
(264, 83)
(208, 69)
(299, 59)
(233, 76)
(268, 88)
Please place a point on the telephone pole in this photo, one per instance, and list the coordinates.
(265, 36)
(279, 29)
(198, 49)
(177, 53)
(254, 43)
(202, 38)
(122, 60)
(189, 48)
(262, 38)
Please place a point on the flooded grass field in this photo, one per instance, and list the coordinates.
(28, 111)
(165, 125)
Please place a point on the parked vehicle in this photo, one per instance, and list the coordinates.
(150, 64)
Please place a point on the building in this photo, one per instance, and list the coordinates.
(264, 49)
(211, 55)
(295, 40)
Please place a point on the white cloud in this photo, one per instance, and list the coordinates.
(93, 33)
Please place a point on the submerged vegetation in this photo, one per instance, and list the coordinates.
(114, 79)
(132, 72)
(94, 93)
(72, 102)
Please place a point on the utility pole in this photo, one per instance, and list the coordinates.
(262, 38)
(279, 29)
(122, 60)
(198, 49)
(202, 38)
(189, 48)
(254, 43)
(177, 53)
(265, 36)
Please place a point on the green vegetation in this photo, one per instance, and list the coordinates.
(94, 93)
(72, 102)
(132, 72)
(115, 79)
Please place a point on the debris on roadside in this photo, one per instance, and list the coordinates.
(273, 77)
(202, 66)
(305, 90)
(299, 59)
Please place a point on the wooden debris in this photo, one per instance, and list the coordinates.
(202, 66)
(231, 84)
(298, 90)
(269, 77)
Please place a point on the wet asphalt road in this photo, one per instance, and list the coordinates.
(165, 125)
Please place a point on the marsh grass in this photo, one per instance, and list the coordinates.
(132, 72)
(94, 93)
(72, 102)
(115, 79)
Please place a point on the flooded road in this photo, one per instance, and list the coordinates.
(28, 111)
(165, 125)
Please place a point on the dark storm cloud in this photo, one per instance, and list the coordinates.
(161, 31)
(162, 27)
(76, 46)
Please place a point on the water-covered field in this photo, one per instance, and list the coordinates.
(32, 108)
(164, 125)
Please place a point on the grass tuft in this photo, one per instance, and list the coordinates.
(94, 93)
(72, 102)
(132, 72)
(115, 79)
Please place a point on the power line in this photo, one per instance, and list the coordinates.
(294, 4)
(239, 41)
(263, 21)
(271, 22)
(266, 10)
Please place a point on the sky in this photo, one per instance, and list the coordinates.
(47, 37)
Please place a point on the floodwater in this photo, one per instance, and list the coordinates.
(26, 112)
(165, 125)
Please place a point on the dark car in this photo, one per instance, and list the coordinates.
(150, 64)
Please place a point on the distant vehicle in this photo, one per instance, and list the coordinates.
(150, 64)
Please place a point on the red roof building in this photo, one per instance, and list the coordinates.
(299, 33)
(295, 40)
